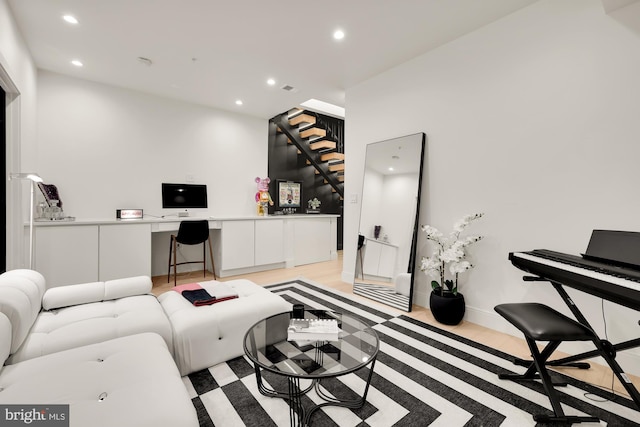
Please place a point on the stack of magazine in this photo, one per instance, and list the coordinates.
(313, 330)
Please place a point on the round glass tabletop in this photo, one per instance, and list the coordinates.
(267, 346)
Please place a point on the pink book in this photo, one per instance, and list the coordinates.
(187, 287)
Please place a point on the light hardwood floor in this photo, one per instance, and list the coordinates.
(329, 274)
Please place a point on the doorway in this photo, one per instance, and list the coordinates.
(3, 188)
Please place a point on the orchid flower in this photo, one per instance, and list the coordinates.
(450, 250)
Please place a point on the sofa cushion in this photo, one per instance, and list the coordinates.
(5, 338)
(207, 335)
(64, 296)
(130, 381)
(20, 300)
(79, 325)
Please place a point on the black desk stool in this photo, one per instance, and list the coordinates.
(192, 232)
(539, 322)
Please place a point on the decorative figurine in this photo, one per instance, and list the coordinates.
(263, 198)
(314, 205)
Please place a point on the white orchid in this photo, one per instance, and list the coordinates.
(430, 266)
(432, 233)
(460, 267)
(453, 254)
(449, 250)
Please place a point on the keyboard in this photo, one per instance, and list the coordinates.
(617, 284)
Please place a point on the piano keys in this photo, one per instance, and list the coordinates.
(620, 290)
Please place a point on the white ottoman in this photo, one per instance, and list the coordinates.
(207, 335)
(403, 284)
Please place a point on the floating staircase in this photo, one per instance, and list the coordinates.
(320, 152)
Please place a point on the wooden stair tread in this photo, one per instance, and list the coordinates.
(332, 156)
(302, 118)
(336, 167)
(322, 145)
(312, 132)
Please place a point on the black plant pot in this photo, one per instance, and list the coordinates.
(446, 307)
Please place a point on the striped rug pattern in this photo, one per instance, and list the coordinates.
(385, 294)
(423, 376)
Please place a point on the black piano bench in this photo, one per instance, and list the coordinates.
(539, 322)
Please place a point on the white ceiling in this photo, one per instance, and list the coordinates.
(212, 52)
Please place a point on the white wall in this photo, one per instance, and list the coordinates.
(107, 148)
(534, 121)
(128, 143)
(18, 79)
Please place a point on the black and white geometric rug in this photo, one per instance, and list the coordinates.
(423, 376)
(385, 294)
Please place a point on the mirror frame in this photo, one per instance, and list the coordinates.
(412, 267)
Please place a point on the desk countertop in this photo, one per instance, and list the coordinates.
(156, 220)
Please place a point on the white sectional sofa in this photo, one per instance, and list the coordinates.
(114, 352)
(103, 348)
(78, 314)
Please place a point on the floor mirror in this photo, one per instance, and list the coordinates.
(389, 211)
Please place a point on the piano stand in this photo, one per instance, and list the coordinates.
(609, 348)
(604, 348)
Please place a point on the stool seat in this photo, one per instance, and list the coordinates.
(542, 323)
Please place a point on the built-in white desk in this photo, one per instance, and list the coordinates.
(89, 250)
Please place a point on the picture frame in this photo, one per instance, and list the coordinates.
(289, 194)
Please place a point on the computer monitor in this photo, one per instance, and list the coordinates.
(184, 196)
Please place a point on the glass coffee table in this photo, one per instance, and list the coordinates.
(267, 347)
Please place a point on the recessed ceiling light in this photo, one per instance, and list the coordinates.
(145, 61)
(338, 34)
(390, 169)
(77, 63)
(70, 19)
(239, 102)
(271, 82)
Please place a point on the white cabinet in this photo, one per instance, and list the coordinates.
(269, 243)
(312, 240)
(243, 244)
(379, 259)
(236, 245)
(66, 255)
(98, 250)
(71, 254)
(125, 251)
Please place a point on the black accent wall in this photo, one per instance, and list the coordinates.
(284, 163)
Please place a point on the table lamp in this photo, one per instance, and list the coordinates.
(33, 178)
